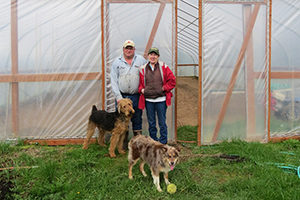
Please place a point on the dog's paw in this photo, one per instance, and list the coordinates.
(159, 189)
(144, 174)
(112, 155)
(122, 151)
(130, 177)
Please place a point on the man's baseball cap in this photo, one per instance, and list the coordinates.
(153, 50)
(128, 43)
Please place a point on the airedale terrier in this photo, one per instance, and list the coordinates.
(116, 123)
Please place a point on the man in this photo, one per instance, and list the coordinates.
(124, 77)
(156, 82)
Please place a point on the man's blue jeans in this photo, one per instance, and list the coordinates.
(137, 117)
(159, 109)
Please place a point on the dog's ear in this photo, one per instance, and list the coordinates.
(164, 149)
(130, 101)
(177, 147)
(94, 109)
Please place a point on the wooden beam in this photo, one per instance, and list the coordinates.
(280, 139)
(269, 72)
(14, 67)
(15, 78)
(187, 65)
(56, 142)
(139, 1)
(235, 72)
(15, 108)
(277, 75)
(234, 2)
(250, 88)
(199, 129)
(285, 75)
(176, 66)
(154, 28)
(102, 55)
(184, 141)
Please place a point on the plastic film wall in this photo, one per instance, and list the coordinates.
(53, 80)
(285, 84)
(234, 71)
(51, 77)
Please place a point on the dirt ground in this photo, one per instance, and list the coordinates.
(187, 101)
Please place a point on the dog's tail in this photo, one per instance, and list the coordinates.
(94, 109)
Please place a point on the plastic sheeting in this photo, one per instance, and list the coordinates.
(285, 112)
(54, 37)
(63, 38)
(234, 104)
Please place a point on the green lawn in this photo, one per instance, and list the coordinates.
(229, 170)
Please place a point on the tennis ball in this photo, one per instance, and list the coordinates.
(171, 188)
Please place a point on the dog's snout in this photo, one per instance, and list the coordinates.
(172, 163)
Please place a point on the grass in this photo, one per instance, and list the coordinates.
(230, 130)
(68, 172)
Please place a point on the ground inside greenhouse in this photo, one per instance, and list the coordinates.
(187, 101)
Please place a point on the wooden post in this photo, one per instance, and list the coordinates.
(176, 67)
(200, 74)
(269, 74)
(102, 55)
(154, 28)
(14, 67)
(250, 91)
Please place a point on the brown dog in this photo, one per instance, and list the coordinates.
(116, 123)
(159, 157)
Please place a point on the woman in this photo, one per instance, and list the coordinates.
(156, 83)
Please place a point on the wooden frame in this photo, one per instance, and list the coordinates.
(250, 91)
(15, 78)
(200, 75)
(154, 28)
(14, 66)
(176, 67)
(269, 73)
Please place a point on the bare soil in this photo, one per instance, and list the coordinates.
(187, 101)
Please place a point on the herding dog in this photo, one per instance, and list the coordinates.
(159, 157)
(116, 123)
